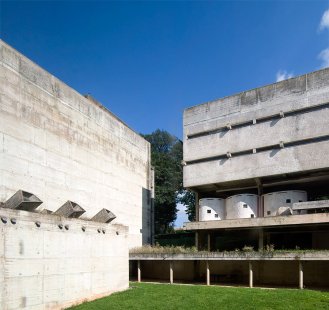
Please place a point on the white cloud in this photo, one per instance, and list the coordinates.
(324, 24)
(324, 56)
(283, 75)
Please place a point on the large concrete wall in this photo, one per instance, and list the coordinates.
(51, 268)
(249, 126)
(62, 146)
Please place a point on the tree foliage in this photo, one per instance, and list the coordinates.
(166, 157)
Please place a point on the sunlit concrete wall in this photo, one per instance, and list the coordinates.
(277, 129)
(61, 146)
(47, 267)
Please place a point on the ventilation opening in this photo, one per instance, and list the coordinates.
(245, 205)
(252, 215)
(208, 211)
(268, 212)
(216, 215)
(288, 200)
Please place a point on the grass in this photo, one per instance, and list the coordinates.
(192, 297)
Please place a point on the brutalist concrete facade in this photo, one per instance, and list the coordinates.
(269, 139)
(250, 126)
(62, 146)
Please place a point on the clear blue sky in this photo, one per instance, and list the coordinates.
(147, 61)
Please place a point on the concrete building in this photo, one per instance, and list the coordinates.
(76, 191)
(258, 163)
(62, 146)
(264, 151)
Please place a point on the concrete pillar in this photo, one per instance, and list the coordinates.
(139, 274)
(261, 240)
(251, 280)
(208, 242)
(196, 206)
(171, 272)
(197, 240)
(301, 275)
(208, 273)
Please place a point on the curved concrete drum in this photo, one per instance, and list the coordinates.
(241, 206)
(280, 203)
(211, 209)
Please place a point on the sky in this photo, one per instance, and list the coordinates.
(148, 61)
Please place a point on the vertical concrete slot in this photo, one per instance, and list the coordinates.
(22, 200)
(70, 209)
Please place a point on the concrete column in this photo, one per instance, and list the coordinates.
(171, 272)
(208, 273)
(197, 240)
(251, 280)
(208, 242)
(301, 274)
(139, 274)
(261, 240)
(196, 206)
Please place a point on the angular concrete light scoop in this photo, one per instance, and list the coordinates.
(104, 216)
(70, 209)
(22, 200)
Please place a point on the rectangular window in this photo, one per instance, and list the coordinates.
(288, 200)
(208, 211)
(216, 215)
(245, 205)
(268, 212)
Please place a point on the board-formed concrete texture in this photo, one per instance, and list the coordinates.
(62, 146)
(278, 129)
(52, 262)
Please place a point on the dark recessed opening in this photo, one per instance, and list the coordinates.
(208, 211)
(288, 200)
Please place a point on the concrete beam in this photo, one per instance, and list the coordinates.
(232, 256)
(302, 219)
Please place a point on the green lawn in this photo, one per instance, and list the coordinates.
(191, 297)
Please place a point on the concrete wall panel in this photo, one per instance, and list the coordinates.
(51, 268)
(293, 128)
(274, 162)
(62, 146)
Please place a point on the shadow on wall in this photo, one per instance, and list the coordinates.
(147, 216)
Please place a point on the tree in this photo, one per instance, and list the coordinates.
(166, 156)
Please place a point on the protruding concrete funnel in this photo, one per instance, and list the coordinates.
(104, 216)
(22, 200)
(70, 209)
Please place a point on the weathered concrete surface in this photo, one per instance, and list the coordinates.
(273, 221)
(49, 267)
(294, 112)
(61, 146)
(309, 205)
